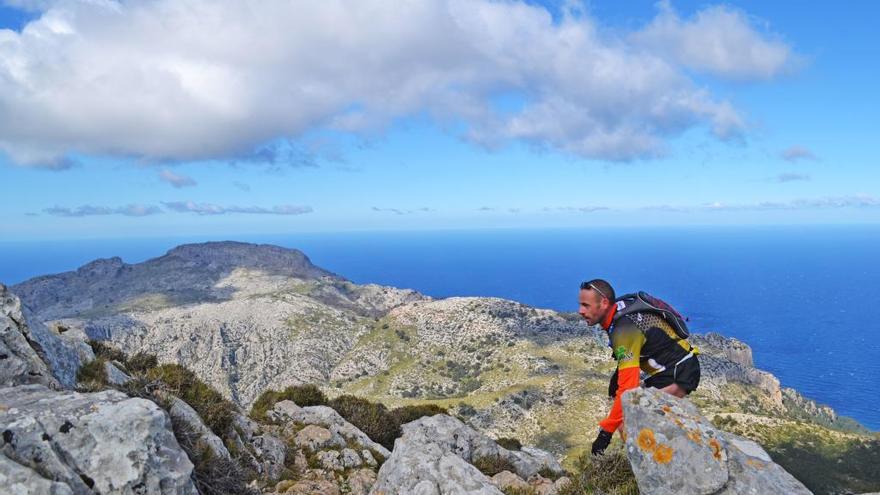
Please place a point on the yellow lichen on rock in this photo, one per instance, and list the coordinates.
(663, 453)
(646, 440)
(716, 449)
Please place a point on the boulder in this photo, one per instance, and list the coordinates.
(471, 445)
(673, 449)
(19, 362)
(315, 438)
(341, 431)
(62, 357)
(361, 481)
(263, 452)
(435, 453)
(507, 481)
(187, 419)
(105, 442)
(115, 376)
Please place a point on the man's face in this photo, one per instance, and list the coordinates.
(592, 306)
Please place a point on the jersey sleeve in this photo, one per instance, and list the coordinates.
(626, 341)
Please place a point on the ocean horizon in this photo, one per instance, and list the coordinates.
(795, 294)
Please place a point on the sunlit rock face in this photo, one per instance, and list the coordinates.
(674, 449)
(105, 442)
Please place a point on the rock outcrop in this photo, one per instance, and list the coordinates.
(438, 454)
(72, 443)
(31, 353)
(673, 449)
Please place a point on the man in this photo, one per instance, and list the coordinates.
(639, 341)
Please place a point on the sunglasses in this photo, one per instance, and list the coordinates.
(586, 285)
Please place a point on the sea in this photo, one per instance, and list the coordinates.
(801, 296)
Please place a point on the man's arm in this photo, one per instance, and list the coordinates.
(627, 378)
(626, 342)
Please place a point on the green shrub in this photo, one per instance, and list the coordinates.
(212, 475)
(492, 465)
(509, 443)
(301, 395)
(106, 352)
(214, 409)
(610, 474)
(141, 363)
(92, 376)
(373, 419)
(405, 414)
(466, 410)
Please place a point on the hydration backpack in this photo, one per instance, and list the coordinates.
(644, 302)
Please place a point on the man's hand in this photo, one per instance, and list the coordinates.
(601, 442)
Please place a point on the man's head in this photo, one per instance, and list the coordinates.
(596, 298)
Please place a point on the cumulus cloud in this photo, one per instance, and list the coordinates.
(213, 209)
(795, 153)
(132, 210)
(719, 40)
(209, 79)
(176, 180)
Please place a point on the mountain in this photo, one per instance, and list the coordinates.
(249, 318)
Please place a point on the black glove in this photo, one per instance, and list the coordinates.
(601, 442)
(612, 385)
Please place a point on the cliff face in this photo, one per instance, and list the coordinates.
(249, 318)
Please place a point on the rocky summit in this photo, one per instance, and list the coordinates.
(460, 395)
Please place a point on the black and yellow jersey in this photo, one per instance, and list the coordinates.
(646, 341)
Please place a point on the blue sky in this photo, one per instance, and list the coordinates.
(166, 118)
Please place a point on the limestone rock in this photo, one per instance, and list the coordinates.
(101, 442)
(673, 449)
(326, 418)
(505, 480)
(33, 353)
(368, 458)
(184, 415)
(264, 453)
(351, 459)
(312, 482)
(315, 438)
(454, 436)
(115, 376)
(435, 453)
(330, 460)
(361, 481)
(19, 362)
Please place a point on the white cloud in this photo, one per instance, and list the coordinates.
(132, 210)
(176, 180)
(206, 79)
(796, 152)
(401, 211)
(791, 177)
(213, 209)
(718, 40)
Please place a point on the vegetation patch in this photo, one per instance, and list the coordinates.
(141, 363)
(609, 474)
(509, 443)
(92, 376)
(301, 395)
(212, 475)
(214, 409)
(106, 352)
(492, 465)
